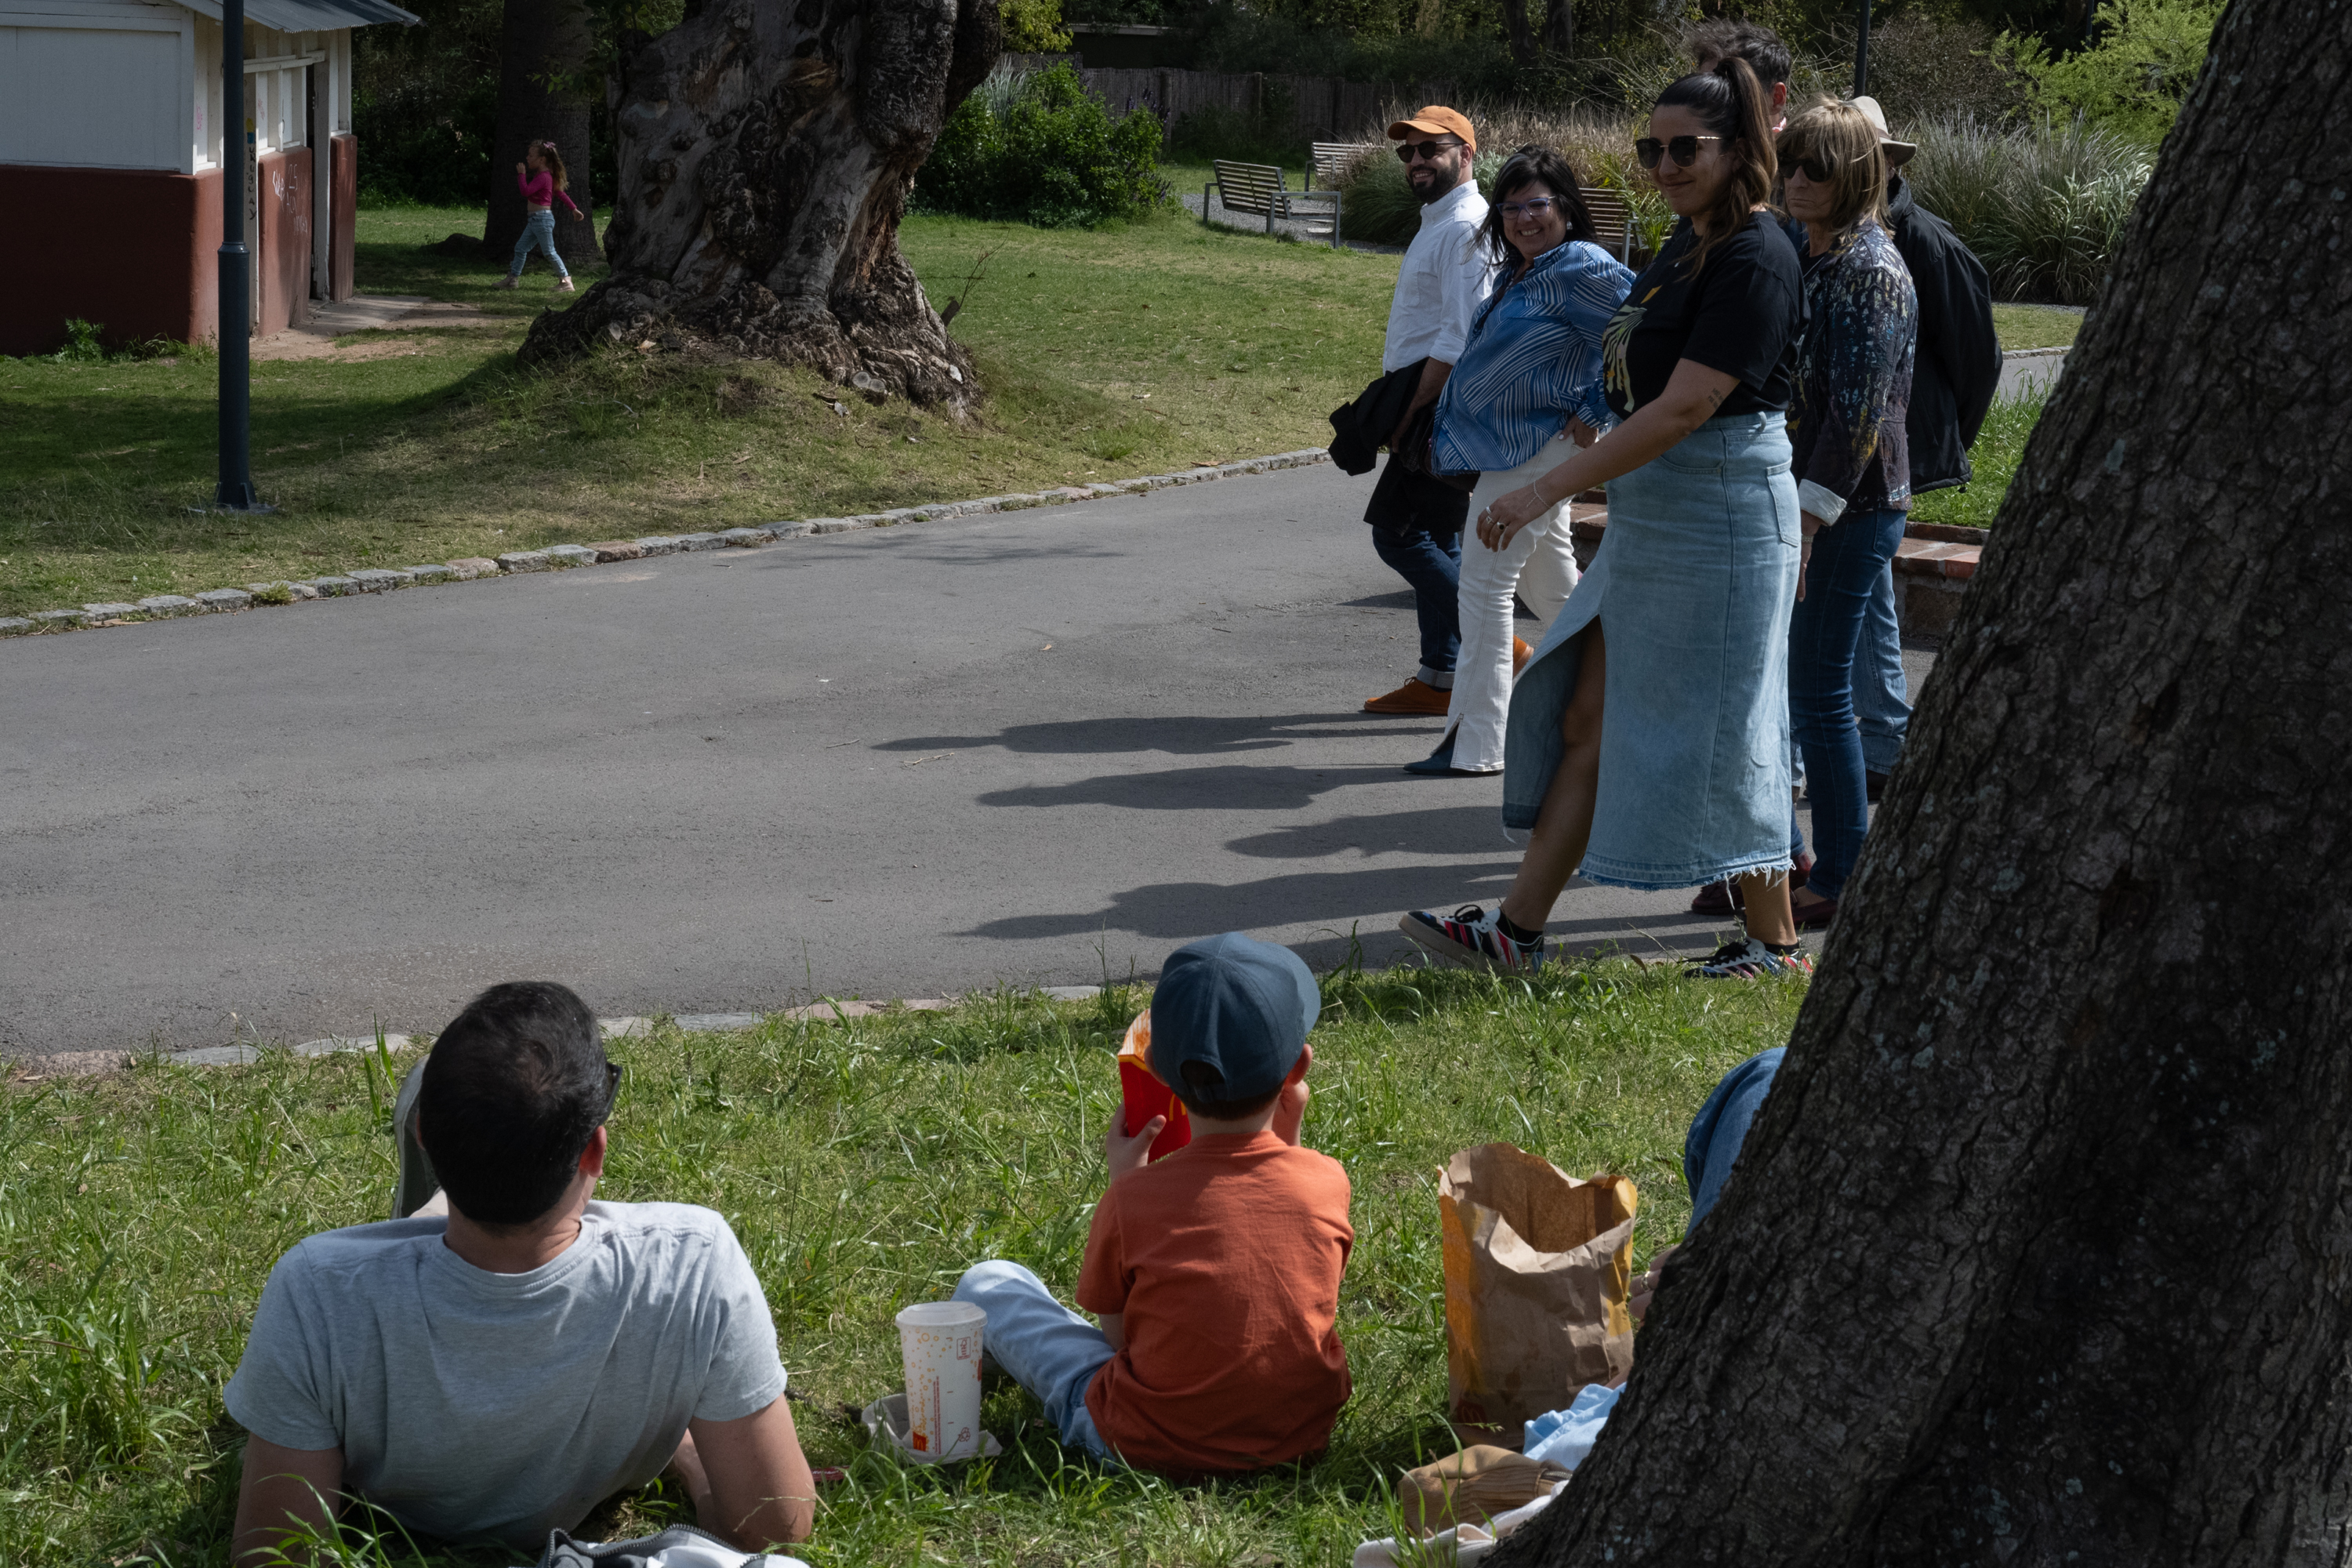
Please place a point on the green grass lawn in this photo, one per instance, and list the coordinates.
(2034, 327)
(864, 1166)
(1111, 353)
(1999, 448)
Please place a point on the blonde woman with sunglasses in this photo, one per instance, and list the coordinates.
(1852, 458)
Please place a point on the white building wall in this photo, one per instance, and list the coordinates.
(102, 97)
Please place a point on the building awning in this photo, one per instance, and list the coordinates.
(311, 15)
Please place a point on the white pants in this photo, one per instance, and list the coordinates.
(1539, 566)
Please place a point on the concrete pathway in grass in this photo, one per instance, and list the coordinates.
(1027, 748)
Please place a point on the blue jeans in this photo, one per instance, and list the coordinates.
(1720, 1127)
(1882, 700)
(1042, 1345)
(1824, 634)
(1432, 562)
(538, 230)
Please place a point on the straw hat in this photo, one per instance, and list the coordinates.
(1436, 120)
(1897, 152)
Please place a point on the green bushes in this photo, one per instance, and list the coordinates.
(2132, 80)
(2044, 206)
(1037, 147)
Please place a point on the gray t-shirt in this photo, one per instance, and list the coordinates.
(476, 1404)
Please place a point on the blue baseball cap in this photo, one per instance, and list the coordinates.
(1229, 1018)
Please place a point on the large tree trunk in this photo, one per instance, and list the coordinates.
(1515, 28)
(765, 157)
(1560, 28)
(2041, 1249)
(543, 57)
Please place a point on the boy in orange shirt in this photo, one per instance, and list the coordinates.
(1214, 1274)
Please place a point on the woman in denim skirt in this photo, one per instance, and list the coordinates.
(1680, 630)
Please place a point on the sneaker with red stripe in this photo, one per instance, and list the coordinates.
(1473, 938)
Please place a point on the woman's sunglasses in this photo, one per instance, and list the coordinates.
(1428, 151)
(1683, 150)
(1536, 207)
(1820, 171)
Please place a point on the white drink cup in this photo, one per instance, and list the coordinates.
(941, 1341)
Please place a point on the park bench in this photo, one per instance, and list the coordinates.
(1328, 161)
(1260, 188)
(1613, 217)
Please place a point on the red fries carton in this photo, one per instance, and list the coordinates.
(1145, 1096)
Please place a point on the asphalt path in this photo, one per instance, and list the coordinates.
(1039, 747)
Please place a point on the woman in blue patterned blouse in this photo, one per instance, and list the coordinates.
(1528, 382)
(1850, 460)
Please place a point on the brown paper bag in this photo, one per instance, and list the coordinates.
(1537, 1266)
(1472, 1488)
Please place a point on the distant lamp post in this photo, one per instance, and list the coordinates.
(235, 491)
(1862, 55)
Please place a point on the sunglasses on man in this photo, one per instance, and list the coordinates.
(1683, 150)
(611, 1088)
(1425, 151)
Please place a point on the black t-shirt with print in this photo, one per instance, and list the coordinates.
(1739, 315)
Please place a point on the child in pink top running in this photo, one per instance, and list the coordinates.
(542, 180)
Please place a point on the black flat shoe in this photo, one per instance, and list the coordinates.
(1439, 764)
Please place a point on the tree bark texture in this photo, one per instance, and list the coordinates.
(1521, 35)
(766, 148)
(544, 55)
(1560, 28)
(2041, 1249)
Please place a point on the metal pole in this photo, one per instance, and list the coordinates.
(1862, 55)
(236, 264)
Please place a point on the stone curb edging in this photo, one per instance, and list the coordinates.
(87, 1064)
(557, 557)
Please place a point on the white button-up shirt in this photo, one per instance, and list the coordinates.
(1446, 275)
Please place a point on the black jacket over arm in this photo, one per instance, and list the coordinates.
(1958, 364)
(1404, 500)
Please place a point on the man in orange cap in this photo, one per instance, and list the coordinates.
(1416, 520)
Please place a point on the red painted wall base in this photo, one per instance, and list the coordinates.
(130, 250)
(283, 256)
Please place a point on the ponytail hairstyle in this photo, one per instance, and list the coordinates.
(554, 160)
(1536, 164)
(1731, 103)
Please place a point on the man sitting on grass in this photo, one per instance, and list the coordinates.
(1215, 1273)
(496, 1371)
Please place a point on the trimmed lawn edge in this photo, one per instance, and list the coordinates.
(163, 607)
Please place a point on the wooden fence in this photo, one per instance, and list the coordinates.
(1311, 108)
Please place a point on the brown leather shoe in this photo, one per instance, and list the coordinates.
(1416, 697)
(1520, 654)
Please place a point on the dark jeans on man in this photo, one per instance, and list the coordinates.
(1432, 562)
(1824, 634)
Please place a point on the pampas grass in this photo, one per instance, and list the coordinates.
(2044, 205)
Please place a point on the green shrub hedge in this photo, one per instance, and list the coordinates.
(1037, 147)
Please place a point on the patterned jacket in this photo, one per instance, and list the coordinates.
(1854, 378)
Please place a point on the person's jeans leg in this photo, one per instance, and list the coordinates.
(523, 243)
(1712, 1145)
(1823, 635)
(1432, 565)
(546, 221)
(416, 1185)
(1041, 1344)
(1881, 699)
